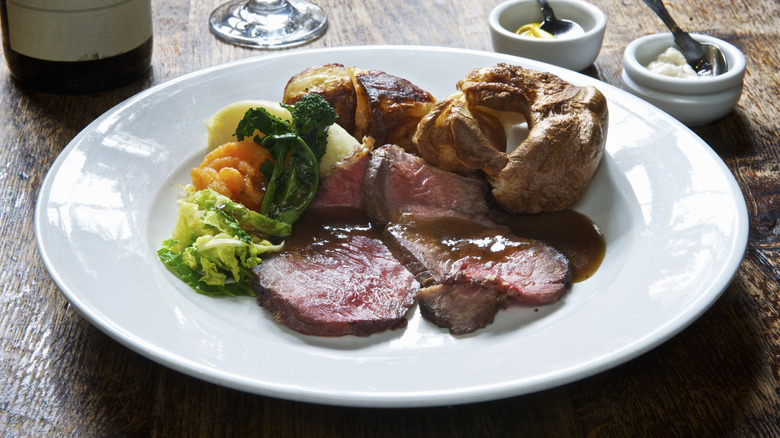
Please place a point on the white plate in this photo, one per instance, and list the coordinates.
(674, 219)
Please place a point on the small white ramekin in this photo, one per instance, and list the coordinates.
(575, 53)
(693, 101)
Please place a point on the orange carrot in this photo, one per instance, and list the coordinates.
(233, 170)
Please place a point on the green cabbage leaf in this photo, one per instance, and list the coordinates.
(215, 243)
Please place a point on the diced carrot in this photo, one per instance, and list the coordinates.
(233, 170)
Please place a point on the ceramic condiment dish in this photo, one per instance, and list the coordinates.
(573, 52)
(693, 101)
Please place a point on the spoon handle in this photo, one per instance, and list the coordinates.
(547, 11)
(691, 48)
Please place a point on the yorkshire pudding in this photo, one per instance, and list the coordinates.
(551, 169)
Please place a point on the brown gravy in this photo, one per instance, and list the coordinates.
(466, 238)
(568, 231)
(330, 225)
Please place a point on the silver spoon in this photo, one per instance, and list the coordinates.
(556, 26)
(705, 58)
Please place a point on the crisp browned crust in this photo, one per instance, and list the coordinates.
(369, 102)
(396, 106)
(331, 81)
(460, 139)
(552, 168)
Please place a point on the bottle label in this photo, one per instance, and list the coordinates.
(77, 30)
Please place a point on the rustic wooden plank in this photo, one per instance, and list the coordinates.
(61, 376)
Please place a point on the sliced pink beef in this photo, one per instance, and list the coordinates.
(461, 307)
(470, 270)
(338, 275)
(344, 185)
(399, 184)
(335, 277)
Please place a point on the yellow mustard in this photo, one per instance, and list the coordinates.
(533, 30)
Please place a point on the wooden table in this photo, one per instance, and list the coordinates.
(60, 376)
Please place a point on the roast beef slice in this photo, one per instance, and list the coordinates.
(399, 184)
(335, 277)
(470, 270)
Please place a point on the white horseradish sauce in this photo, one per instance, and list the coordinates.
(672, 63)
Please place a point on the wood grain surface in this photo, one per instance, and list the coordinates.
(60, 376)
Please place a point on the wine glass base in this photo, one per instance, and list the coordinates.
(254, 24)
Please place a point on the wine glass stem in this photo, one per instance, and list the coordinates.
(265, 6)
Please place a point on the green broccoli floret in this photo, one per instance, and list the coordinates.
(296, 149)
(261, 120)
(312, 115)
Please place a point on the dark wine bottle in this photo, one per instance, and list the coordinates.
(76, 46)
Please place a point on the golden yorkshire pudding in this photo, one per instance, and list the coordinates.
(551, 169)
(368, 102)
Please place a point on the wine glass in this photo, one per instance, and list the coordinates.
(269, 24)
